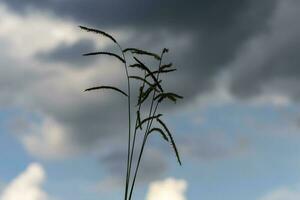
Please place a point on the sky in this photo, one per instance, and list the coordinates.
(237, 128)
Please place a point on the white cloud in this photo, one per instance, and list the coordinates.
(27, 33)
(26, 186)
(28, 80)
(169, 189)
(39, 30)
(283, 193)
(48, 140)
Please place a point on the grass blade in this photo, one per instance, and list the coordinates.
(142, 52)
(144, 67)
(171, 138)
(172, 96)
(106, 87)
(166, 66)
(146, 94)
(139, 120)
(99, 32)
(162, 71)
(105, 53)
(149, 118)
(160, 131)
(141, 91)
(143, 80)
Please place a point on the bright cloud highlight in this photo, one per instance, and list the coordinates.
(168, 189)
(283, 193)
(27, 186)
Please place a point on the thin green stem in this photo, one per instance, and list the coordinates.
(145, 135)
(129, 124)
(135, 132)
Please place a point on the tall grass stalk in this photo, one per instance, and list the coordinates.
(150, 83)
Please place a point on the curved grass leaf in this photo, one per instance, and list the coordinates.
(144, 80)
(139, 119)
(144, 67)
(172, 96)
(135, 65)
(141, 91)
(162, 71)
(160, 131)
(141, 66)
(148, 119)
(145, 94)
(142, 52)
(105, 53)
(171, 138)
(166, 66)
(106, 87)
(98, 32)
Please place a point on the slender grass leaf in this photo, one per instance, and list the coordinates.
(171, 138)
(144, 67)
(139, 119)
(166, 66)
(143, 80)
(142, 52)
(106, 87)
(162, 71)
(146, 94)
(105, 53)
(149, 118)
(135, 65)
(160, 131)
(98, 32)
(172, 96)
(141, 91)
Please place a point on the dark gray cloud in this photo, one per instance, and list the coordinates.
(216, 33)
(269, 63)
(15, 79)
(207, 14)
(217, 28)
(84, 118)
(69, 53)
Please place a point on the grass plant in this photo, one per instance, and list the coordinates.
(150, 95)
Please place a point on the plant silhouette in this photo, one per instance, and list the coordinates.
(150, 95)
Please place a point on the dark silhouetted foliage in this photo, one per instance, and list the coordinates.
(150, 92)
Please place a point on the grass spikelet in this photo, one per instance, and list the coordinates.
(99, 32)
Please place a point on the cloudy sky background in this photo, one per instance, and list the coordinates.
(237, 128)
